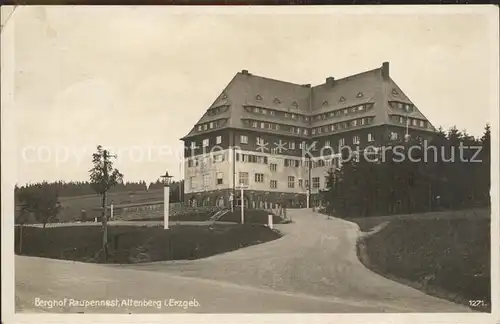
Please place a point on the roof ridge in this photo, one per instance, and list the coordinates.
(350, 77)
(271, 79)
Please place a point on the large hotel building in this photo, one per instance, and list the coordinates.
(261, 133)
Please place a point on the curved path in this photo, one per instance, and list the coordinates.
(312, 268)
(316, 256)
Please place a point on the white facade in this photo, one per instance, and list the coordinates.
(214, 171)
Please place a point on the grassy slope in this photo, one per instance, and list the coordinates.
(72, 206)
(445, 256)
(131, 244)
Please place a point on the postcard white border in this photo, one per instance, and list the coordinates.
(8, 169)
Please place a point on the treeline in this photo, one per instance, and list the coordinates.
(453, 174)
(82, 188)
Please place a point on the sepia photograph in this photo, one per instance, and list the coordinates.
(250, 160)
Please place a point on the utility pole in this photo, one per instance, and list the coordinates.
(104, 219)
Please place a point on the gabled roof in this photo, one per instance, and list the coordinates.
(358, 89)
(248, 90)
(394, 93)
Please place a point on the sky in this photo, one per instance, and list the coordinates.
(136, 79)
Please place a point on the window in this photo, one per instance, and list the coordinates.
(342, 142)
(259, 177)
(354, 123)
(244, 139)
(273, 167)
(192, 182)
(206, 180)
(360, 108)
(327, 143)
(394, 136)
(220, 177)
(355, 139)
(211, 125)
(205, 127)
(193, 145)
(254, 124)
(273, 184)
(260, 141)
(200, 128)
(370, 137)
(190, 163)
(306, 183)
(415, 122)
(206, 142)
(262, 125)
(401, 120)
(315, 182)
(422, 123)
(300, 183)
(218, 139)
(291, 182)
(243, 178)
(292, 145)
(218, 158)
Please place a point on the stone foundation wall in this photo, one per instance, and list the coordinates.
(252, 199)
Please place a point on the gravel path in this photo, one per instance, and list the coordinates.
(312, 268)
(317, 257)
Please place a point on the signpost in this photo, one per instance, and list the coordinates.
(166, 198)
(231, 199)
(307, 197)
(242, 202)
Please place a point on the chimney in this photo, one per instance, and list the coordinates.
(244, 72)
(385, 70)
(330, 81)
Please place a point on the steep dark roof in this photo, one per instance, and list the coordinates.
(245, 89)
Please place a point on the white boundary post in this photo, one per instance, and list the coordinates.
(166, 205)
(242, 206)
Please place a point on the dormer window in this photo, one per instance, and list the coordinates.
(295, 104)
(258, 97)
(277, 101)
(359, 95)
(223, 96)
(325, 103)
(342, 99)
(395, 92)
